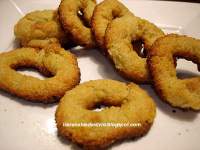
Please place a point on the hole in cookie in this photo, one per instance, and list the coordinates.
(32, 71)
(186, 69)
(80, 14)
(116, 14)
(138, 46)
(114, 17)
(101, 106)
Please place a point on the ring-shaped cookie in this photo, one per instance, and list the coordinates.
(38, 27)
(103, 14)
(120, 34)
(129, 104)
(182, 93)
(75, 16)
(53, 60)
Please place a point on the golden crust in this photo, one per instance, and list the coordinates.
(118, 40)
(129, 104)
(52, 59)
(182, 93)
(76, 23)
(37, 27)
(103, 14)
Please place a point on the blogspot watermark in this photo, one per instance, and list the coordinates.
(107, 124)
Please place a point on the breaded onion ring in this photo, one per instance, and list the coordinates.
(75, 16)
(182, 93)
(128, 104)
(38, 27)
(53, 60)
(103, 14)
(119, 36)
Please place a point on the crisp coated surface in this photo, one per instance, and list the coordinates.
(128, 104)
(75, 16)
(120, 34)
(37, 26)
(103, 14)
(182, 93)
(25, 125)
(52, 59)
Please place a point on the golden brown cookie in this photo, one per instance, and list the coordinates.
(120, 34)
(182, 93)
(103, 14)
(126, 104)
(39, 27)
(61, 65)
(75, 16)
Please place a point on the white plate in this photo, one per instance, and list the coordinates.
(26, 126)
